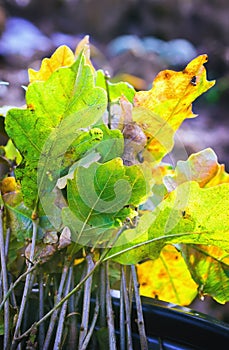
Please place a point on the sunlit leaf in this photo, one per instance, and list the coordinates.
(201, 167)
(209, 267)
(190, 214)
(161, 110)
(57, 110)
(167, 278)
(159, 189)
(62, 57)
(102, 185)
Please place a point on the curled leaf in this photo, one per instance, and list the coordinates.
(84, 46)
(201, 167)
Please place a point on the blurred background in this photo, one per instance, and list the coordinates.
(133, 40)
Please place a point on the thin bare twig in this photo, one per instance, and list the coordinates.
(93, 323)
(122, 318)
(60, 327)
(110, 313)
(14, 285)
(78, 286)
(5, 284)
(72, 316)
(7, 242)
(41, 334)
(56, 311)
(86, 302)
(26, 288)
(127, 309)
(102, 297)
(140, 320)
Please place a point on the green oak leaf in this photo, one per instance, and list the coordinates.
(102, 196)
(57, 110)
(185, 216)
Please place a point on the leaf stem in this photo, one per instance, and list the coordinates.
(107, 77)
(7, 242)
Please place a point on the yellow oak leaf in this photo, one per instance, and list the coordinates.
(167, 278)
(62, 57)
(161, 110)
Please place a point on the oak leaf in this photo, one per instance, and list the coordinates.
(167, 278)
(62, 57)
(161, 110)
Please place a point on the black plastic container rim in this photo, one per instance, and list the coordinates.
(185, 327)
